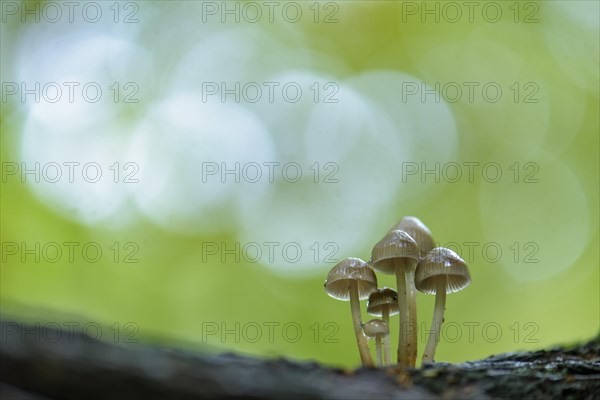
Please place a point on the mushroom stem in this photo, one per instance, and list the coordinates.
(412, 315)
(403, 344)
(385, 314)
(378, 350)
(436, 322)
(361, 340)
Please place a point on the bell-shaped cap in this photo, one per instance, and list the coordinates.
(376, 327)
(381, 299)
(397, 248)
(441, 263)
(338, 280)
(417, 230)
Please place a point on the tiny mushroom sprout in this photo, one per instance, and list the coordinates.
(377, 329)
(353, 279)
(384, 303)
(397, 253)
(441, 271)
(418, 231)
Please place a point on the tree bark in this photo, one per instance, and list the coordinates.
(75, 367)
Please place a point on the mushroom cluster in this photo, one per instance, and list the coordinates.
(407, 251)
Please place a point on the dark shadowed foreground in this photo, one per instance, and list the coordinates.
(75, 367)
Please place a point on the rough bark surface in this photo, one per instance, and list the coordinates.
(77, 368)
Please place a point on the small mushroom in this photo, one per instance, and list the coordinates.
(397, 253)
(352, 279)
(422, 235)
(384, 303)
(441, 271)
(418, 231)
(378, 330)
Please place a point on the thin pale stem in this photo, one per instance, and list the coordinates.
(412, 315)
(403, 345)
(361, 339)
(387, 356)
(378, 350)
(436, 322)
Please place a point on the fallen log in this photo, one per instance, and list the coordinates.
(76, 367)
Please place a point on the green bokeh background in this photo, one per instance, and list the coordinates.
(172, 296)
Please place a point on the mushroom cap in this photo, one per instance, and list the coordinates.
(396, 248)
(338, 280)
(381, 299)
(417, 230)
(442, 262)
(376, 327)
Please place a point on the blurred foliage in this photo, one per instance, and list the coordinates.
(175, 297)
